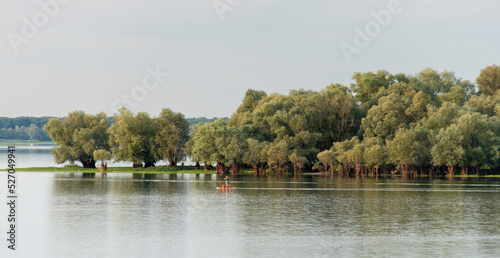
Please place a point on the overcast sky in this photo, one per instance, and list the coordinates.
(97, 55)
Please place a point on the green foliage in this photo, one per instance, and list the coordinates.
(172, 133)
(426, 120)
(418, 107)
(217, 142)
(409, 147)
(132, 138)
(77, 137)
(384, 119)
(103, 156)
(484, 104)
(369, 85)
(488, 80)
(329, 159)
(448, 151)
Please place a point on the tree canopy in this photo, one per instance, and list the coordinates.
(428, 122)
(77, 137)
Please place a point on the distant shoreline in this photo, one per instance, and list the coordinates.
(25, 142)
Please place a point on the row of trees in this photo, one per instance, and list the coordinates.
(135, 138)
(431, 121)
(32, 133)
(31, 128)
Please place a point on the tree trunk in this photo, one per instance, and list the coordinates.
(197, 166)
(172, 164)
(104, 166)
(221, 168)
(235, 168)
(451, 171)
(88, 163)
(262, 169)
(465, 170)
(255, 169)
(149, 164)
(357, 169)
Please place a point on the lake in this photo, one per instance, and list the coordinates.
(183, 215)
(40, 156)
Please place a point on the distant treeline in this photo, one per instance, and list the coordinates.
(24, 128)
(31, 128)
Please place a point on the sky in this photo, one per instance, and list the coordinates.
(199, 57)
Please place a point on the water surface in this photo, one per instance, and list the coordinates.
(136, 215)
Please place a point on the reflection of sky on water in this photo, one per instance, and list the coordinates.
(182, 215)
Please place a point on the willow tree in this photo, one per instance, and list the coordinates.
(278, 154)
(132, 138)
(410, 147)
(368, 85)
(419, 106)
(434, 83)
(384, 119)
(488, 80)
(298, 161)
(256, 155)
(480, 142)
(448, 150)
(77, 136)
(375, 154)
(218, 143)
(329, 160)
(171, 136)
(104, 156)
(201, 145)
(484, 104)
(356, 156)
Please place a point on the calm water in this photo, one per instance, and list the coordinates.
(127, 215)
(39, 156)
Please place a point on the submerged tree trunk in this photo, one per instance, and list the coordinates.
(235, 168)
(451, 171)
(255, 169)
(221, 168)
(263, 167)
(357, 169)
(465, 170)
